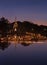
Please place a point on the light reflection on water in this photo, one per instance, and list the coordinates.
(23, 53)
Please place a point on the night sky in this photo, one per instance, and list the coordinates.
(31, 10)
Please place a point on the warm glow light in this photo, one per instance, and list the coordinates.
(15, 36)
(15, 29)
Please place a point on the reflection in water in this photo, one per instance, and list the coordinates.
(6, 41)
(24, 44)
(4, 45)
(30, 55)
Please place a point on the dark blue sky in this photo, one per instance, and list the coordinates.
(32, 10)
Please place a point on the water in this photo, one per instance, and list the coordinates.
(12, 53)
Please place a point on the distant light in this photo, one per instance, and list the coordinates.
(45, 29)
(9, 38)
(15, 29)
(32, 29)
(15, 36)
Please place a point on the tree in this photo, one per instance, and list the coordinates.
(4, 26)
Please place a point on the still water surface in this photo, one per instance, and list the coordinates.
(12, 53)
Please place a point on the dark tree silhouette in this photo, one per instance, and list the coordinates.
(25, 44)
(4, 26)
(4, 45)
